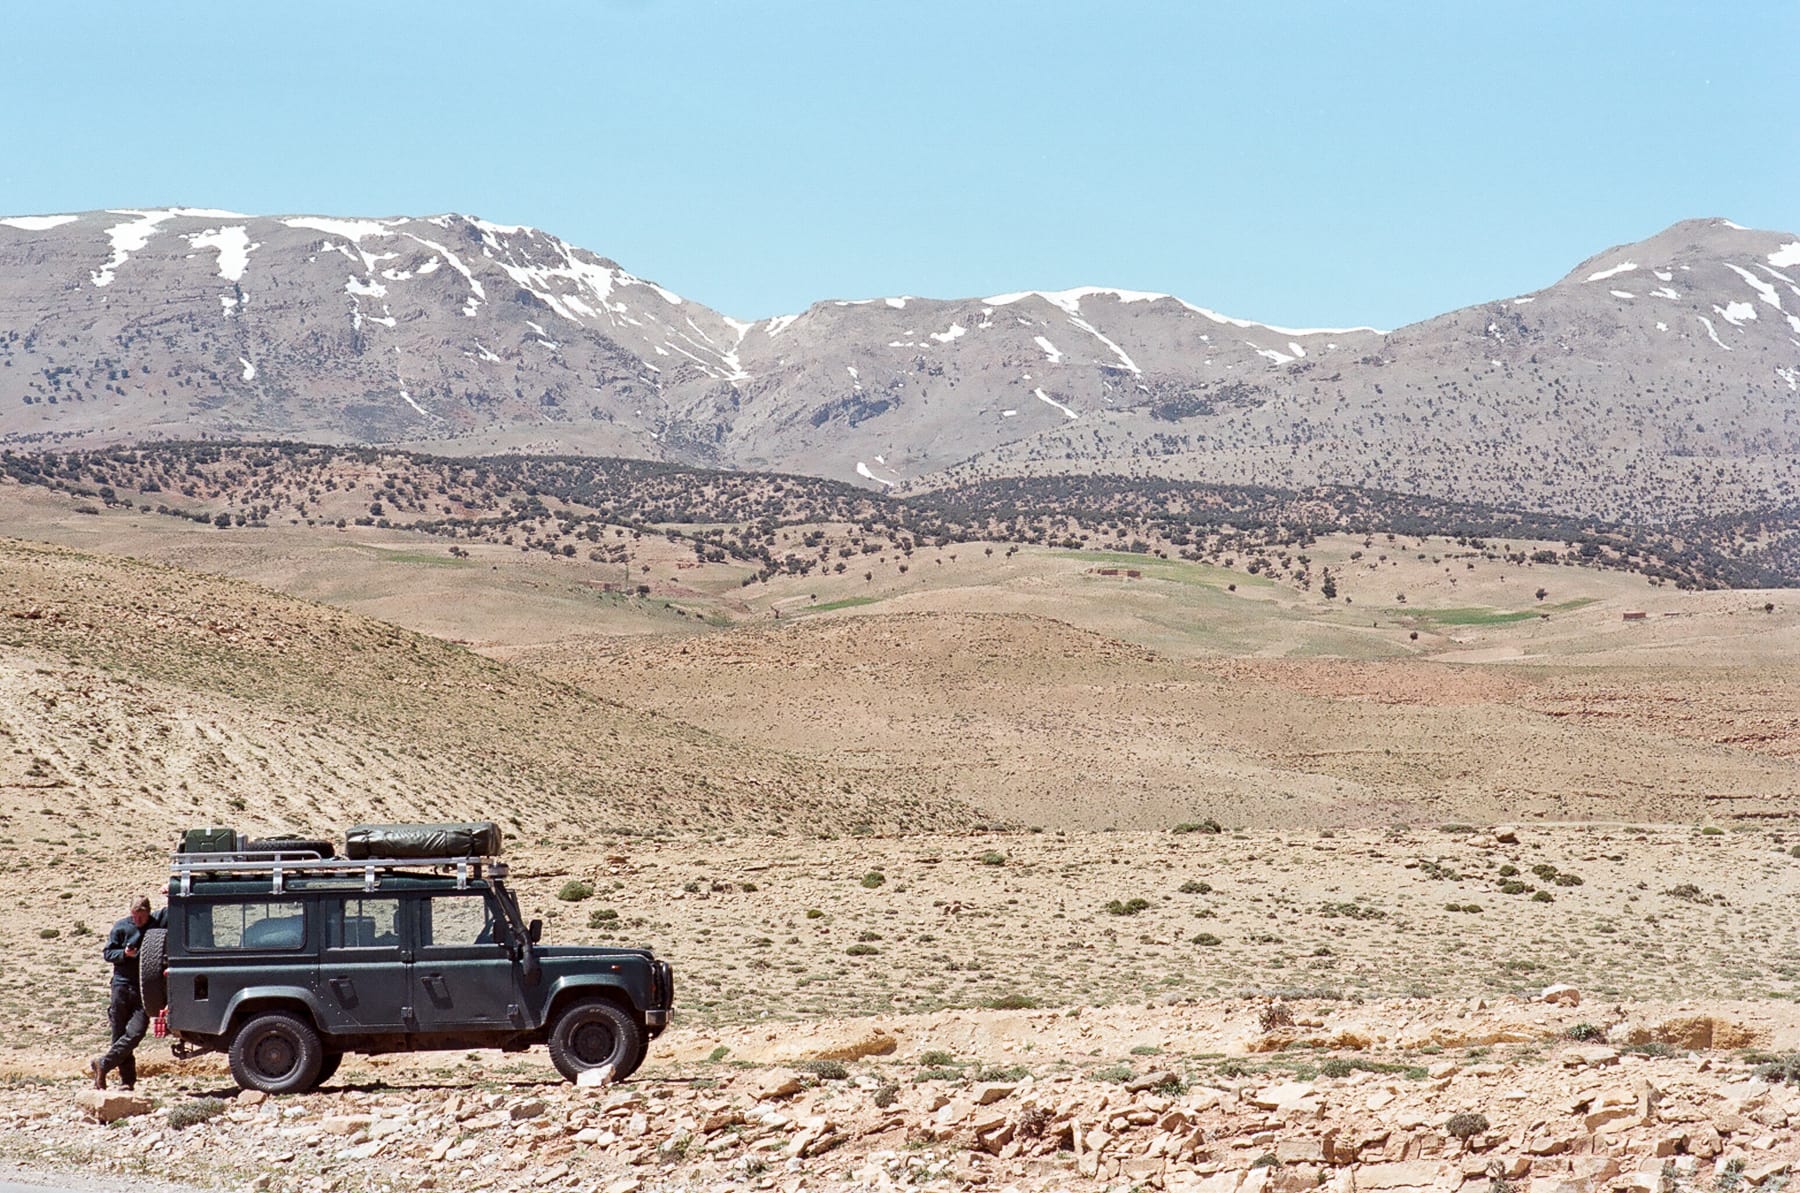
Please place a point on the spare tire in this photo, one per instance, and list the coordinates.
(153, 969)
(290, 845)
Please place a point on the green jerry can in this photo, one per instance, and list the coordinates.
(209, 840)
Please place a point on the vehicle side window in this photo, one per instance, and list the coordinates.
(357, 923)
(261, 924)
(455, 921)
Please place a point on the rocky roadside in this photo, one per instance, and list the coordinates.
(1285, 1114)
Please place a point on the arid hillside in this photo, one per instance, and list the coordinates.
(169, 697)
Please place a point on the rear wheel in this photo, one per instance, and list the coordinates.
(593, 1034)
(277, 1053)
(328, 1067)
(153, 969)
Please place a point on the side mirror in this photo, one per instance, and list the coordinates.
(535, 931)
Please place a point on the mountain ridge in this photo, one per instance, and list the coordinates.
(1652, 382)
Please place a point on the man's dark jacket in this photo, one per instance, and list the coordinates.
(127, 935)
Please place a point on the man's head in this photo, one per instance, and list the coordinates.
(140, 911)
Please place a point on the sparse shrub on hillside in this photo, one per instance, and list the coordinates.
(1470, 908)
(1351, 911)
(1513, 886)
(1456, 828)
(1782, 1069)
(1466, 1125)
(814, 913)
(992, 858)
(1209, 825)
(1543, 897)
(888, 1092)
(859, 949)
(1127, 907)
(602, 917)
(873, 879)
(575, 890)
(49, 933)
(936, 1058)
(1508, 871)
(1207, 940)
(1195, 886)
(1585, 1032)
(1011, 1002)
(1687, 892)
(188, 1114)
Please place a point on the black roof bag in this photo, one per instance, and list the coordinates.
(475, 839)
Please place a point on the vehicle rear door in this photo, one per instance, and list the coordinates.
(464, 974)
(363, 963)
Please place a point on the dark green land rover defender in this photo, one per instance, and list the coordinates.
(285, 957)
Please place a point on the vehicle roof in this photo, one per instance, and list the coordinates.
(391, 884)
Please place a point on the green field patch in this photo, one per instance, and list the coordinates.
(1476, 616)
(845, 603)
(1177, 570)
(394, 555)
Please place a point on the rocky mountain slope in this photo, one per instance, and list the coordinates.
(1657, 381)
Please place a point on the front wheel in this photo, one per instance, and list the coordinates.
(595, 1034)
(277, 1054)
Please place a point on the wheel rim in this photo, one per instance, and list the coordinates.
(275, 1055)
(593, 1043)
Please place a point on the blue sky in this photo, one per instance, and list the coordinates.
(1302, 164)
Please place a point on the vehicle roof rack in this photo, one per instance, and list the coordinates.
(280, 865)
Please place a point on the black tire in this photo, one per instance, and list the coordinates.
(594, 1033)
(637, 1060)
(153, 969)
(328, 1067)
(277, 1053)
(291, 845)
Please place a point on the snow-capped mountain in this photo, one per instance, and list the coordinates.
(1658, 379)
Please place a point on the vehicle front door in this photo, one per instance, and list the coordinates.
(464, 974)
(363, 982)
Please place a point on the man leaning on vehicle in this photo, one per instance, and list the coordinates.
(125, 1004)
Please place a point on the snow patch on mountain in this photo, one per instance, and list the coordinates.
(1757, 284)
(128, 238)
(38, 223)
(1787, 254)
(1047, 400)
(1625, 267)
(1119, 352)
(1736, 313)
(233, 245)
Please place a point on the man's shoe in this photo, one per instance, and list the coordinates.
(97, 1067)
